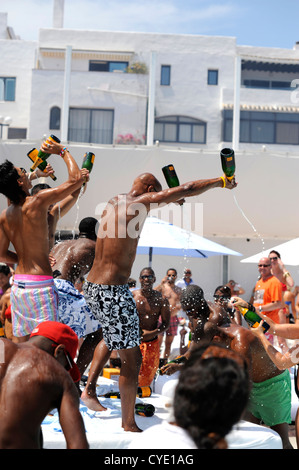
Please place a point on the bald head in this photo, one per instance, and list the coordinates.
(265, 268)
(146, 182)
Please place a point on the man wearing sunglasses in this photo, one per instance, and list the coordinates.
(268, 292)
(154, 316)
(35, 378)
(186, 279)
(24, 225)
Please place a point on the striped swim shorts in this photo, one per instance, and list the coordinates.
(32, 302)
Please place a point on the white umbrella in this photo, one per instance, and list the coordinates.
(161, 238)
(289, 252)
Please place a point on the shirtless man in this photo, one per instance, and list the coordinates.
(274, 408)
(106, 289)
(33, 381)
(74, 259)
(172, 293)
(24, 224)
(150, 305)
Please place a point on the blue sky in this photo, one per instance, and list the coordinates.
(270, 23)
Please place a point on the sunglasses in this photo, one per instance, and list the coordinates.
(274, 257)
(264, 265)
(171, 275)
(149, 276)
(220, 297)
(23, 172)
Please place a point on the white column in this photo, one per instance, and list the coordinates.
(151, 100)
(58, 13)
(66, 93)
(236, 114)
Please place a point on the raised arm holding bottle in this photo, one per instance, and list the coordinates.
(24, 224)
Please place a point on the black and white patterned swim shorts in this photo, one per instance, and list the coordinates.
(115, 308)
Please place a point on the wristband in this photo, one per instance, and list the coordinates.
(224, 182)
(65, 149)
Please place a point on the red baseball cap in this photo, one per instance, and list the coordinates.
(61, 334)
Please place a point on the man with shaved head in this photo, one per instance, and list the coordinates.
(106, 289)
(268, 291)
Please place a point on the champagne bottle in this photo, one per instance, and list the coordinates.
(41, 164)
(170, 176)
(144, 409)
(43, 155)
(88, 161)
(111, 395)
(141, 392)
(252, 318)
(228, 162)
(144, 392)
(177, 360)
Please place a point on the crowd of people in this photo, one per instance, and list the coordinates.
(67, 308)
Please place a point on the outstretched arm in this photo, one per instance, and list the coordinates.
(284, 330)
(192, 188)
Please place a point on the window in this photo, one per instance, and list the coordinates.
(107, 66)
(91, 125)
(263, 127)
(55, 118)
(276, 84)
(16, 133)
(212, 77)
(180, 129)
(165, 75)
(7, 89)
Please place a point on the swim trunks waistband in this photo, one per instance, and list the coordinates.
(31, 277)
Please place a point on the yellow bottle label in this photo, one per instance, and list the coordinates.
(146, 391)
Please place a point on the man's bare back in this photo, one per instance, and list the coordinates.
(243, 341)
(116, 243)
(74, 258)
(32, 383)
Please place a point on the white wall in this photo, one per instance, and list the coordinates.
(267, 194)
